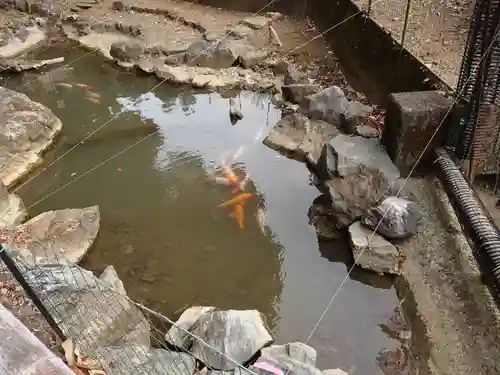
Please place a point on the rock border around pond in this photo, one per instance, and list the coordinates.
(352, 170)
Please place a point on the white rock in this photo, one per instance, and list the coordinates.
(12, 209)
(187, 320)
(372, 251)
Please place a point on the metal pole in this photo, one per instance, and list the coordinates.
(30, 292)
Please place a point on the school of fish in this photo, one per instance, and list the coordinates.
(237, 203)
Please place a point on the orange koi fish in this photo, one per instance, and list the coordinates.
(238, 214)
(239, 199)
(64, 84)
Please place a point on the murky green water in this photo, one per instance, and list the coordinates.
(160, 227)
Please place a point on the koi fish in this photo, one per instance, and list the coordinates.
(242, 184)
(230, 175)
(222, 181)
(93, 100)
(239, 199)
(238, 214)
(260, 216)
(65, 85)
(82, 85)
(92, 94)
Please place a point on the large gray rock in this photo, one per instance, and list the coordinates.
(372, 251)
(136, 360)
(300, 138)
(344, 155)
(178, 336)
(297, 92)
(237, 334)
(224, 54)
(400, 218)
(351, 196)
(26, 130)
(332, 106)
(89, 311)
(56, 237)
(126, 50)
(12, 209)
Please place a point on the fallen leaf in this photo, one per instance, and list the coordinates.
(69, 352)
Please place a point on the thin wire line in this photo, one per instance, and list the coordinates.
(397, 194)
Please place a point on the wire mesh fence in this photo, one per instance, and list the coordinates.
(105, 331)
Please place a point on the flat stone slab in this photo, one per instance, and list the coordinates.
(56, 237)
(27, 129)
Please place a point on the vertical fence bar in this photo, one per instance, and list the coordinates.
(11, 265)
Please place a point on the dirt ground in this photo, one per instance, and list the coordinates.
(436, 31)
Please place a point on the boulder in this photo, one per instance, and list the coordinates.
(296, 350)
(351, 196)
(136, 360)
(26, 130)
(256, 22)
(239, 31)
(332, 106)
(187, 320)
(283, 364)
(297, 92)
(372, 251)
(300, 138)
(120, 5)
(109, 277)
(88, 311)
(351, 118)
(367, 131)
(400, 218)
(126, 50)
(12, 209)
(56, 237)
(292, 75)
(210, 55)
(323, 218)
(237, 334)
(344, 155)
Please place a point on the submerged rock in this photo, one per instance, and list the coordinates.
(300, 138)
(57, 237)
(351, 196)
(237, 334)
(187, 320)
(372, 251)
(332, 106)
(344, 155)
(400, 218)
(26, 130)
(323, 218)
(12, 209)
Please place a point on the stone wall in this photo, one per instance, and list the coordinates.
(371, 59)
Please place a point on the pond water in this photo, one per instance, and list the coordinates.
(160, 227)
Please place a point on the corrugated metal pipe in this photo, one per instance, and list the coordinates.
(474, 218)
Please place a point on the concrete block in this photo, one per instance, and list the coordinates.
(411, 120)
